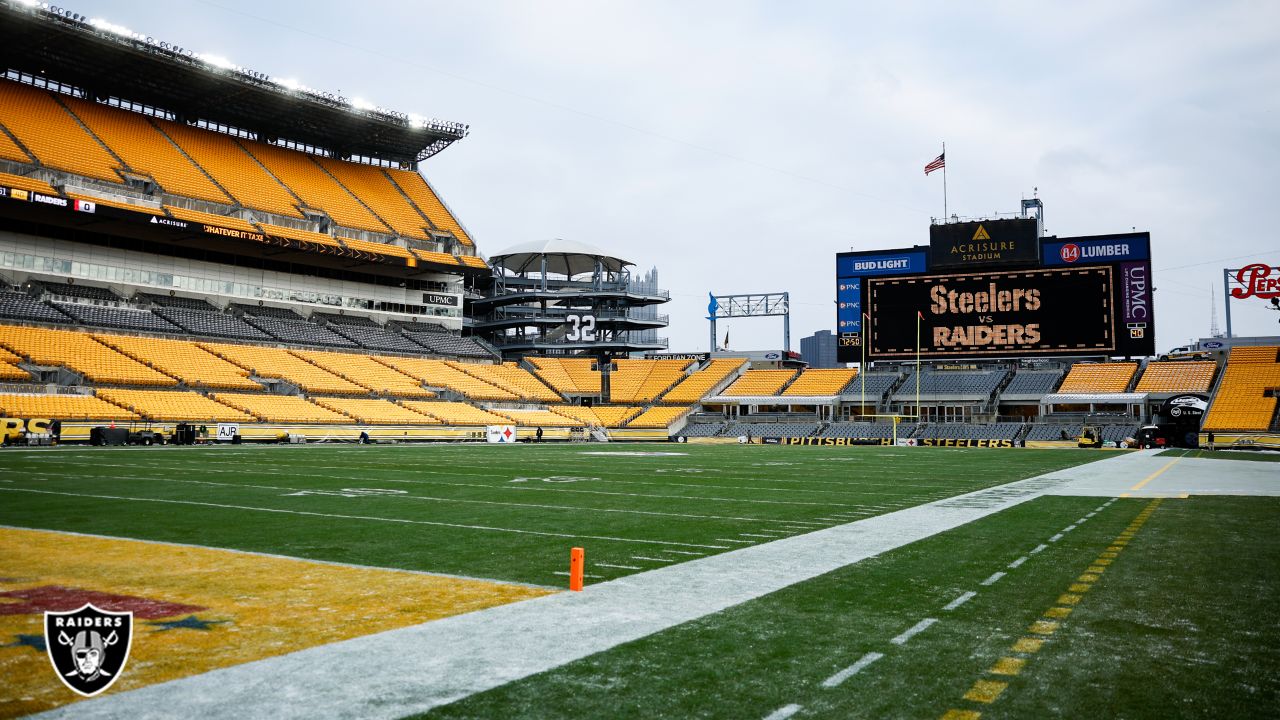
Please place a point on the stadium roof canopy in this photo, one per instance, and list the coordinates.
(105, 61)
(563, 257)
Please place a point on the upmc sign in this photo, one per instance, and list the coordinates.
(1097, 250)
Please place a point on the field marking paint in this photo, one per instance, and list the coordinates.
(993, 579)
(652, 559)
(371, 518)
(1154, 475)
(1038, 548)
(985, 690)
(768, 536)
(1017, 563)
(852, 670)
(964, 598)
(684, 552)
(1068, 528)
(1055, 538)
(620, 567)
(605, 615)
(427, 498)
(585, 574)
(731, 540)
(301, 558)
(784, 712)
(912, 631)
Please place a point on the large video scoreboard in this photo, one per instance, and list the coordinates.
(995, 290)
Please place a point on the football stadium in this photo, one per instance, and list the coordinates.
(281, 438)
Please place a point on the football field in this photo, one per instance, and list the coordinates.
(722, 581)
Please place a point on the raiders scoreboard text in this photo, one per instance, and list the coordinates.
(1068, 297)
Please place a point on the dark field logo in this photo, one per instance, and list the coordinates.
(88, 647)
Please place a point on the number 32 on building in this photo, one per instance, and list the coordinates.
(580, 328)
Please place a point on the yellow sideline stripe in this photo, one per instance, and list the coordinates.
(986, 691)
(1154, 475)
(268, 606)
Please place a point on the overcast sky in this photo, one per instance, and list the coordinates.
(738, 146)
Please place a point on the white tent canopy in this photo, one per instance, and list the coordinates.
(563, 257)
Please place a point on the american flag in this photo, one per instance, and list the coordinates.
(937, 164)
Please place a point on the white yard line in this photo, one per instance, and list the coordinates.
(852, 670)
(1055, 538)
(459, 656)
(620, 567)
(912, 631)
(784, 712)
(1038, 548)
(993, 579)
(1017, 563)
(370, 518)
(960, 600)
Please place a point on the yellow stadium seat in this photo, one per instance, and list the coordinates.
(173, 406)
(375, 412)
(319, 191)
(456, 413)
(511, 377)
(22, 182)
(234, 169)
(760, 382)
(278, 363)
(428, 202)
(146, 150)
(380, 193)
(80, 353)
(281, 408)
(183, 360)
(442, 374)
(366, 372)
(660, 416)
(1242, 401)
(821, 381)
(63, 407)
(1177, 376)
(1098, 378)
(696, 386)
(204, 218)
(609, 416)
(568, 376)
(536, 418)
(50, 132)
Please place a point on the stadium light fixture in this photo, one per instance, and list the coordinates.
(111, 27)
(216, 60)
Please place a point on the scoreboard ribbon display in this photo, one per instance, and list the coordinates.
(993, 314)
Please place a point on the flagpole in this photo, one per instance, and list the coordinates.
(944, 182)
(919, 317)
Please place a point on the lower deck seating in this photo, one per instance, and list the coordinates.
(441, 374)
(696, 429)
(659, 416)
(456, 413)
(173, 406)
(770, 430)
(696, 385)
(280, 408)
(760, 382)
(63, 407)
(280, 364)
(184, 360)
(375, 412)
(1246, 397)
(610, 416)
(970, 431)
(366, 372)
(536, 418)
(867, 431)
(81, 353)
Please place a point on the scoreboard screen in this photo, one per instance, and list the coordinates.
(994, 314)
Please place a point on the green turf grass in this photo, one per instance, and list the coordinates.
(506, 512)
(1181, 625)
(1255, 455)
